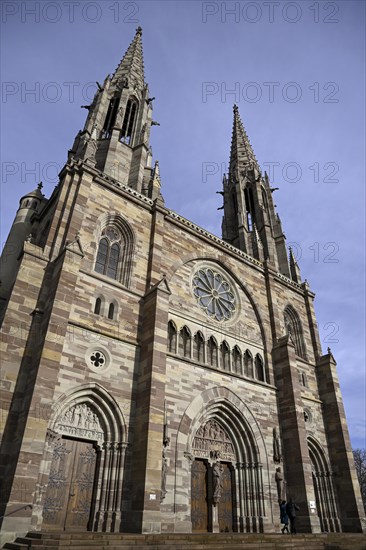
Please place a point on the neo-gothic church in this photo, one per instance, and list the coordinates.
(157, 378)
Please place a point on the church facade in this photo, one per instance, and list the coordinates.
(157, 378)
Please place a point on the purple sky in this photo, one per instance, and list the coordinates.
(296, 71)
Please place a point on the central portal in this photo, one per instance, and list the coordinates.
(202, 501)
(213, 482)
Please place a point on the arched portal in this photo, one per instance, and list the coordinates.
(323, 487)
(225, 451)
(83, 463)
(213, 495)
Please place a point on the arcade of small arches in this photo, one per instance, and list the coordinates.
(209, 352)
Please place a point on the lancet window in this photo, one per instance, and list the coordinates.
(129, 121)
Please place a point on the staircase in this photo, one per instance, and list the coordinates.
(177, 541)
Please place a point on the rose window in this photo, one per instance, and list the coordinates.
(97, 359)
(214, 294)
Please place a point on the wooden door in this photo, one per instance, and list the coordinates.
(81, 486)
(70, 487)
(225, 506)
(199, 503)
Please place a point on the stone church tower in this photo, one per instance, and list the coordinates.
(157, 378)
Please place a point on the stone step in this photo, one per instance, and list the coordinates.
(250, 546)
(178, 541)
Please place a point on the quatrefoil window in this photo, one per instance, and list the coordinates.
(214, 294)
(97, 359)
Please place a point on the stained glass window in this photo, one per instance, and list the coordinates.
(109, 253)
(214, 294)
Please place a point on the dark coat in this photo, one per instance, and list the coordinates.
(291, 509)
(283, 514)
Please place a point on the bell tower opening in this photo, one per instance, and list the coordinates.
(110, 119)
(129, 122)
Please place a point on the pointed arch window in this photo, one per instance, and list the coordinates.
(225, 356)
(248, 364)
(249, 204)
(237, 360)
(111, 311)
(98, 305)
(129, 121)
(110, 119)
(172, 337)
(115, 251)
(294, 330)
(198, 347)
(185, 342)
(259, 369)
(212, 355)
(109, 253)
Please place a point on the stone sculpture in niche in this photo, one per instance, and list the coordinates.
(281, 485)
(277, 457)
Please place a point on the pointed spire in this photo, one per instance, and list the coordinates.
(241, 155)
(130, 70)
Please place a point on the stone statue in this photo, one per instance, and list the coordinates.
(164, 471)
(217, 475)
(276, 446)
(281, 485)
(164, 464)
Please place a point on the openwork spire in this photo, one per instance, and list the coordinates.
(242, 156)
(130, 71)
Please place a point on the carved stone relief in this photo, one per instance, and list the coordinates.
(81, 421)
(212, 437)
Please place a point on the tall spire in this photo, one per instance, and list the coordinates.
(249, 220)
(241, 155)
(131, 67)
(116, 135)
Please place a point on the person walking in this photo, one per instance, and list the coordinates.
(291, 509)
(284, 517)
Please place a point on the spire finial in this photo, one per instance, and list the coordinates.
(40, 186)
(139, 30)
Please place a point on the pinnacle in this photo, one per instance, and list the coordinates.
(132, 64)
(292, 256)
